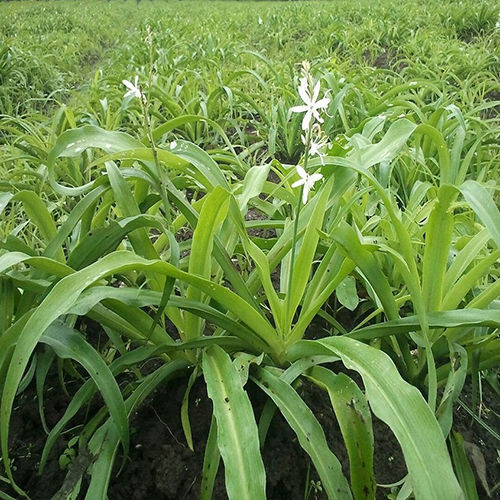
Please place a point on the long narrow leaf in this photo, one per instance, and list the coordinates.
(309, 432)
(402, 408)
(237, 435)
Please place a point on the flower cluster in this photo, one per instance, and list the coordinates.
(313, 139)
(317, 141)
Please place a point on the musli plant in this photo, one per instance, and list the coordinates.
(115, 259)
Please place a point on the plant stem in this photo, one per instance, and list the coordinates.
(288, 319)
(152, 145)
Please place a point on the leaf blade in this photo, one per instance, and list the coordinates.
(237, 434)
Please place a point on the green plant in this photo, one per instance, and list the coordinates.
(270, 340)
(143, 234)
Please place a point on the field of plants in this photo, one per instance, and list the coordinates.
(249, 250)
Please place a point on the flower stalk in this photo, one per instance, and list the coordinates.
(309, 92)
(295, 231)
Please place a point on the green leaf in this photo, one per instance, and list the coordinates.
(103, 240)
(402, 408)
(253, 184)
(386, 149)
(210, 463)
(5, 496)
(482, 203)
(289, 376)
(469, 280)
(51, 266)
(202, 162)
(237, 435)
(438, 234)
(67, 343)
(213, 213)
(262, 266)
(333, 268)
(303, 263)
(126, 302)
(462, 467)
(44, 362)
(308, 430)
(186, 425)
(128, 207)
(86, 392)
(465, 257)
(453, 388)
(38, 214)
(72, 143)
(104, 443)
(347, 294)
(354, 418)
(73, 219)
(438, 319)
(349, 241)
(7, 303)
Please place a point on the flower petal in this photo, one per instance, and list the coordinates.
(128, 84)
(299, 109)
(302, 173)
(315, 177)
(306, 121)
(305, 194)
(303, 91)
(316, 115)
(314, 148)
(298, 183)
(316, 92)
(322, 103)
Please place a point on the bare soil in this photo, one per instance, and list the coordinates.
(161, 466)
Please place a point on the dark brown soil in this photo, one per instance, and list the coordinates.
(494, 111)
(479, 444)
(175, 472)
(387, 58)
(161, 466)
(255, 214)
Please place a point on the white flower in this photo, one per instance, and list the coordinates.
(306, 180)
(133, 88)
(315, 146)
(260, 20)
(311, 103)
